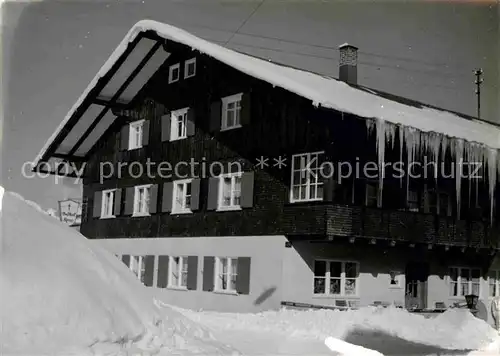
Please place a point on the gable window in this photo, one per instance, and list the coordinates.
(174, 73)
(464, 281)
(226, 273)
(107, 208)
(229, 191)
(306, 182)
(190, 68)
(494, 283)
(178, 121)
(141, 200)
(178, 272)
(138, 266)
(337, 278)
(181, 196)
(135, 132)
(231, 111)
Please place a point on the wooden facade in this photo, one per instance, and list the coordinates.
(275, 123)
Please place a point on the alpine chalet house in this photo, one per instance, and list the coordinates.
(248, 203)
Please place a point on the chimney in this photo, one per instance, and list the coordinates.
(348, 66)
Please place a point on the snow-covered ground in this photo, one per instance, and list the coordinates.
(61, 295)
(391, 331)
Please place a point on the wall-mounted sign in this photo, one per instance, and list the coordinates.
(70, 211)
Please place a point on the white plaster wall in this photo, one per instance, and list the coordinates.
(266, 268)
(374, 278)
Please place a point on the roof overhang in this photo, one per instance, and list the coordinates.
(141, 53)
(115, 86)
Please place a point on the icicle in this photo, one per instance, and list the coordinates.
(412, 141)
(493, 166)
(401, 143)
(458, 147)
(381, 137)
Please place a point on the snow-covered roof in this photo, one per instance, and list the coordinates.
(321, 90)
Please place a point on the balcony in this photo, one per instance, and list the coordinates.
(327, 220)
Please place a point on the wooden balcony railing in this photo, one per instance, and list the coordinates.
(412, 227)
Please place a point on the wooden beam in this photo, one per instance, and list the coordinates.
(69, 175)
(69, 157)
(101, 83)
(115, 97)
(104, 102)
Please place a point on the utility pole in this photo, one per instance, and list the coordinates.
(479, 80)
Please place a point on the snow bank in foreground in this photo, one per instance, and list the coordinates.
(454, 329)
(62, 295)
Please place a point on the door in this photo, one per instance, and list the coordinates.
(416, 275)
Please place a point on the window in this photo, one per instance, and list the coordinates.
(438, 202)
(181, 196)
(371, 197)
(226, 272)
(107, 208)
(306, 183)
(413, 203)
(135, 132)
(138, 266)
(432, 201)
(231, 110)
(464, 281)
(395, 279)
(190, 68)
(444, 202)
(178, 267)
(178, 121)
(494, 283)
(230, 191)
(335, 278)
(141, 200)
(174, 73)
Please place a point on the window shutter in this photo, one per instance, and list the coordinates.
(129, 201)
(215, 116)
(166, 203)
(124, 137)
(208, 273)
(97, 204)
(190, 122)
(117, 208)
(425, 199)
(328, 189)
(247, 180)
(165, 127)
(245, 109)
(195, 194)
(145, 133)
(213, 193)
(243, 277)
(149, 270)
(153, 199)
(192, 272)
(162, 279)
(126, 260)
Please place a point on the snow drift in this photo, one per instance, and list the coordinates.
(62, 295)
(453, 330)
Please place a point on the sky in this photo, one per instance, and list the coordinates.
(424, 50)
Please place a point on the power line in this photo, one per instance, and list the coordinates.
(327, 47)
(372, 64)
(246, 20)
